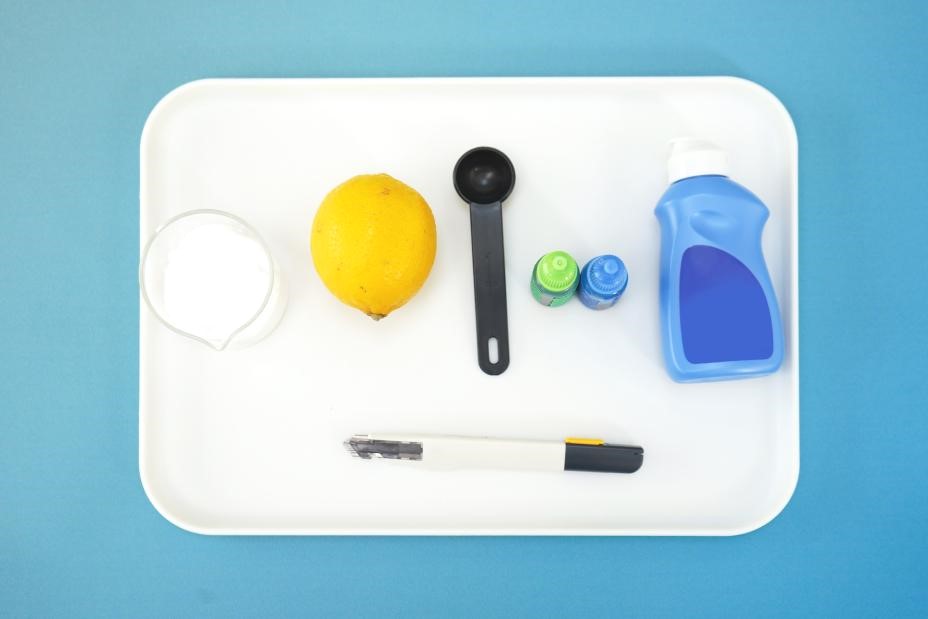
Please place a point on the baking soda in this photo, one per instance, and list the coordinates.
(215, 281)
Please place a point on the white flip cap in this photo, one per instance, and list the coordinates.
(695, 157)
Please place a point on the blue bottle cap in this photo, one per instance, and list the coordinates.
(605, 276)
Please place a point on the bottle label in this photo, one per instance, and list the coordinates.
(548, 298)
(724, 314)
(595, 302)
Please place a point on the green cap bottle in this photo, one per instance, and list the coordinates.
(554, 278)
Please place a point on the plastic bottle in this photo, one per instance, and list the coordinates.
(554, 278)
(719, 313)
(602, 281)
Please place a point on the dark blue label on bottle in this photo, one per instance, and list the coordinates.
(723, 310)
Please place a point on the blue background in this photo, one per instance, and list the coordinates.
(77, 535)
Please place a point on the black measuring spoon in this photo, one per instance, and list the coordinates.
(484, 177)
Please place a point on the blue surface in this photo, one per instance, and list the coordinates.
(77, 535)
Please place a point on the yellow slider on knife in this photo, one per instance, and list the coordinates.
(584, 441)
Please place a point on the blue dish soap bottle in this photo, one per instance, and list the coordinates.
(719, 313)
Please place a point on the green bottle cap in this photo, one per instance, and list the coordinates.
(557, 271)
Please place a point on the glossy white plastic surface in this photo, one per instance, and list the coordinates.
(250, 441)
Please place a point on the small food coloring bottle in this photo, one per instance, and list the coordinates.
(602, 281)
(554, 278)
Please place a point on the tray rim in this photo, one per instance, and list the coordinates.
(753, 525)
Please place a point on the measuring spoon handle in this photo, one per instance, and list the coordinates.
(486, 236)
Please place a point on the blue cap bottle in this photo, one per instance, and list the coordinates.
(602, 281)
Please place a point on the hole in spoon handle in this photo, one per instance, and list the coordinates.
(486, 235)
(493, 350)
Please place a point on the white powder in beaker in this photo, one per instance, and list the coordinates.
(215, 280)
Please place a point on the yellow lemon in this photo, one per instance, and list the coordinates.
(373, 243)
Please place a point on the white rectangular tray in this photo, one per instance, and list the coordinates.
(250, 441)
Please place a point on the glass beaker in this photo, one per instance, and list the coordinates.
(208, 275)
